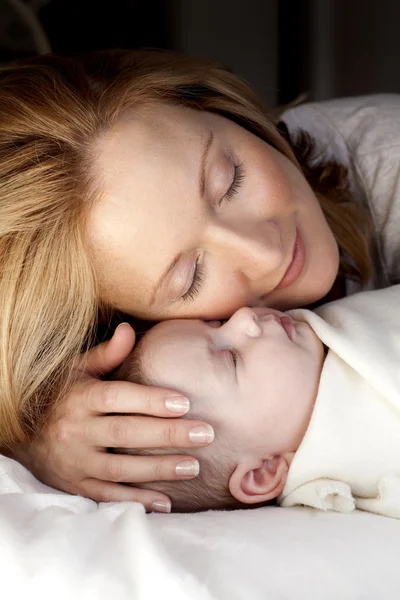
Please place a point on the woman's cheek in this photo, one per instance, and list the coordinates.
(224, 304)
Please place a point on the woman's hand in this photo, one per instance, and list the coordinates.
(71, 452)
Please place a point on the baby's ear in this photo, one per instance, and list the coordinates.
(259, 483)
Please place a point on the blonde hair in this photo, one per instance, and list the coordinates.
(52, 111)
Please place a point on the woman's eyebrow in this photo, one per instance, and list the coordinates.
(203, 162)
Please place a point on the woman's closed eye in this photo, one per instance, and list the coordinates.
(198, 273)
(238, 177)
(196, 282)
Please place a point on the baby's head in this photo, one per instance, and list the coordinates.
(255, 379)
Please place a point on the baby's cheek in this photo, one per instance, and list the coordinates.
(254, 404)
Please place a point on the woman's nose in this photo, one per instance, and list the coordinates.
(244, 322)
(254, 251)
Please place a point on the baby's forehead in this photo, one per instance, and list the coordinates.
(174, 330)
(174, 355)
(173, 339)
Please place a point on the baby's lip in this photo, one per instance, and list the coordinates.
(281, 318)
(288, 326)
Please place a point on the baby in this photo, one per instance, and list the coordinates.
(305, 405)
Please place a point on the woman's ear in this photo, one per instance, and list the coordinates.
(259, 484)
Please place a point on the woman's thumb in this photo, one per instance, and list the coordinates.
(107, 356)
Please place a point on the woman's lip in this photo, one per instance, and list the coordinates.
(297, 264)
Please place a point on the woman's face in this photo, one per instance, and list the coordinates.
(200, 217)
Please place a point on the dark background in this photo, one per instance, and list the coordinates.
(326, 48)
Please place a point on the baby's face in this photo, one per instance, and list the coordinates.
(254, 378)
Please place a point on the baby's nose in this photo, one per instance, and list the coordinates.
(246, 321)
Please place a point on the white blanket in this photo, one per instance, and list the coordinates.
(56, 546)
(350, 454)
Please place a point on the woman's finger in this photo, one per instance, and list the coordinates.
(127, 397)
(123, 468)
(107, 356)
(117, 431)
(105, 491)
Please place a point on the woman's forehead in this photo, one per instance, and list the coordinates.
(147, 176)
(159, 122)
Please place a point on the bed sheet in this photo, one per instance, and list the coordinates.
(56, 546)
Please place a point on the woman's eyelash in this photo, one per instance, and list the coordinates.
(236, 183)
(196, 283)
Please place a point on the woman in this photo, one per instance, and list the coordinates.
(150, 185)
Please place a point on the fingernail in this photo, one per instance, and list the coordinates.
(118, 326)
(178, 404)
(202, 434)
(161, 506)
(188, 468)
